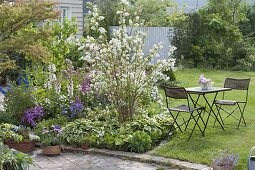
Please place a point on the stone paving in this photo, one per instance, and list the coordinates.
(82, 161)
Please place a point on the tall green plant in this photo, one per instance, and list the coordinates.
(17, 100)
(15, 20)
(62, 42)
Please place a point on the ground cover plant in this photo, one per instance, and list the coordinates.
(205, 149)
(139, 135)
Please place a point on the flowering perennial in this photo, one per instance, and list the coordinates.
(119, 68)
(86, 85)
(31, 116)
(76, 108)
(51, 136)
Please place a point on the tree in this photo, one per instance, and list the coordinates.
(153, 12)
(108, 10)
(211, 37)
(248, 29)
(20, 31)
(232, 11)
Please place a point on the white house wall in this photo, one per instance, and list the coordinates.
(76, 7)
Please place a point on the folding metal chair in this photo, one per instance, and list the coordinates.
(180, 93)
(234, 84)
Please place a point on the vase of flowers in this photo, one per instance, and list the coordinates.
(27, 144)
(51, 140)
(205, 83)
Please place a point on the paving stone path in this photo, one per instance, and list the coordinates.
(81, 161)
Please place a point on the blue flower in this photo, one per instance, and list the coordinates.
(56, 128)
(76, 107)
(32, 115)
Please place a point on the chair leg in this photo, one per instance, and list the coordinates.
(175, 120)
(218, 114)
(241, 116)
(199, 116)
(187, 123)
(221, 119)
(196, 124)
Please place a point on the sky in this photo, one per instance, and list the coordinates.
(192, 3)
(200, 2)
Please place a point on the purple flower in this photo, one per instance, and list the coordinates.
(64, 111)
(86, 85)
(202, 79)
(56, 128)
(76, 107)
(31, 116)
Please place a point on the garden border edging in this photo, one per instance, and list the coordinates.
(146, 158)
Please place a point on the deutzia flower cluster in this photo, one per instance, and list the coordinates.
(119, 68)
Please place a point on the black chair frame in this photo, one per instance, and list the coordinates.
(234, 84)
(180, 93)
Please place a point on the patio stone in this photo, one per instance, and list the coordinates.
(82, 161)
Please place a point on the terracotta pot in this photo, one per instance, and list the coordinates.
(26, 146)
(51, 150)
(85, 146)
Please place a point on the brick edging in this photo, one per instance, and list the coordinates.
(172, 163)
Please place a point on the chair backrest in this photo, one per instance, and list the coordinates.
(237, 84)
(175, 92)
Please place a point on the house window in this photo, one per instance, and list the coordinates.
(65, 12)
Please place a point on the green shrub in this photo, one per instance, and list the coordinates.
(171, 82)
(60, 120)
(139, 142)
(16, 101)
(7, 132)
(78, 131)
(8, 118)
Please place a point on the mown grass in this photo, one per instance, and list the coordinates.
(203, 150)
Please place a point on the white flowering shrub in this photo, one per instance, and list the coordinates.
(119, 68)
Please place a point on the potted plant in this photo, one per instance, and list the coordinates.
(27, 140)
(227, 161)
(51, 140)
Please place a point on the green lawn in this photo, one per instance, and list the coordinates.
(204, 149)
